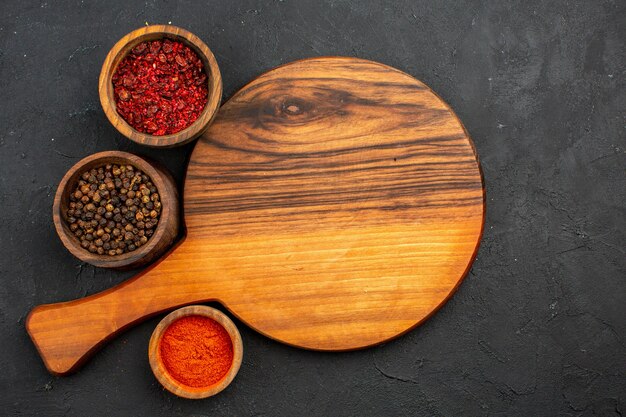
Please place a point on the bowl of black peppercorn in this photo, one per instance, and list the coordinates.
(116, 210)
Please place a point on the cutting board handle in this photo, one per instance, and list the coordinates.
(67, 334)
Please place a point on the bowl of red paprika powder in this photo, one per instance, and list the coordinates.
(195, 352)
(160, 86)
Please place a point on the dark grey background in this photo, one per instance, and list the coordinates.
(538, 328)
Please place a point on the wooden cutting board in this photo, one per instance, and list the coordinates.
(334, 204)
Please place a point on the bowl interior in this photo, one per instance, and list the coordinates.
(187, 388)
(152, 36)
(70, 185)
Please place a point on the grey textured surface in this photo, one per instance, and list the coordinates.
(537, 328)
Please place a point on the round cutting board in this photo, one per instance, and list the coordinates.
(334, 204)
(339, 200)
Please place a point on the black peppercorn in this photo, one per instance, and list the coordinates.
(113, 209)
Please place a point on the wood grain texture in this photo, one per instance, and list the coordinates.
(119, 52)
(167, 228)
(334, 204)
(161, 373)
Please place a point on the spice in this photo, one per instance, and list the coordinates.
(105, 213)
(160, 87)
(196, 351)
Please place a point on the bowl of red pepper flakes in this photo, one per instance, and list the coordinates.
(160, 86)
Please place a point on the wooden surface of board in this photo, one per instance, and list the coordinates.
(334, 204)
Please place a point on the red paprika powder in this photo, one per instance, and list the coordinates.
(196, 351)
(160, 87)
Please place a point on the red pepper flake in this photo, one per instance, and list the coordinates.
(160, 87)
